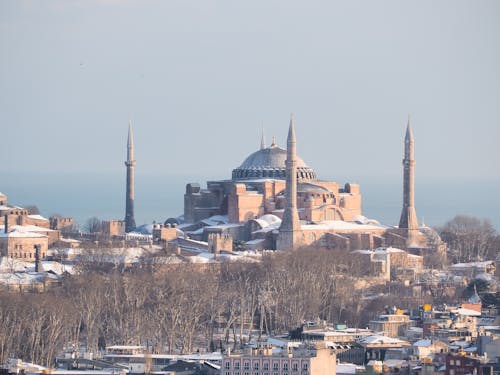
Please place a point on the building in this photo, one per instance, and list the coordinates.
(113, 228)
(63, 224)
(274, 200)
(392, 325)
(261, 360)
(20, 244)
(461, 364)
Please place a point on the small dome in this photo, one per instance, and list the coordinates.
(270, 163)
(307, 187)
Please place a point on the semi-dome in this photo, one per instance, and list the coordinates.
(269, 162)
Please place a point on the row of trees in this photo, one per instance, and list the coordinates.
(185, 307)
(470, 239)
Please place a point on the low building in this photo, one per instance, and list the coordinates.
(262, 360)
(376, 346)
(113, 228)
(20, 244)
(392, 325)
(460, 364)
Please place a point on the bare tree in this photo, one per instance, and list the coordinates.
(469, 238)
(93, 225)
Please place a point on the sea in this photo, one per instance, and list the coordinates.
(158, 198)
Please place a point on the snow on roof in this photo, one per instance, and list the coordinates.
(21, 278)
(341, 225)
(16, 233)
(216, 220)
(467, 312)
(367, 252)
(471, 349)
(124, 347)
(57, 267)
(424, 342)
(31, 228)
(346, 368)
(379, 339)
(203, 257)
(69, 240)
(416, 329)
(392, 250)
(271, 219)
(472, 264)
(256, 241)
(394, 362)
(38, 217)
(461, 343)
(224, 226)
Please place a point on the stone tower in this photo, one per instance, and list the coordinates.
(408, 220)
(290, 231)
(129, 199)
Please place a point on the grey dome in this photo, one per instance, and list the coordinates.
(270, 163)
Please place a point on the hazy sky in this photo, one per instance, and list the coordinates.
(199, 79)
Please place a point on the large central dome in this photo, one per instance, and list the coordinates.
(269, 162)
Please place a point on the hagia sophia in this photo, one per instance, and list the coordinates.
(273, 201)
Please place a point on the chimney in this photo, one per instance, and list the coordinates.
(38, 262)
(6, 223)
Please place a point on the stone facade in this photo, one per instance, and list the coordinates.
(18, 244)
(113, 228)
(61, 223)
(312, 360)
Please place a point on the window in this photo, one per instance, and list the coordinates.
(228, 365)
(276, 366)
(452, 362)
(295, 366)
(236, 365)
(285, 366)
(266, 365)
(457, 362)
(256, 365)
(305, 366)
(228, 372)
(452, 371)
(246, 365)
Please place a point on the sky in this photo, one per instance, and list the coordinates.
(199, 80)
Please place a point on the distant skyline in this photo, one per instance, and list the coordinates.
(199, 80)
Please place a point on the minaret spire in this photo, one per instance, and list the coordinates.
(130, 196)
(408, 218)
(263, 140)
(289, 231)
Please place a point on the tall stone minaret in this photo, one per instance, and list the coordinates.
(263, 140)
(290, 231)
(129, 199)
(408, 218)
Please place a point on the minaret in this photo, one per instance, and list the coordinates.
(409, 219)
(289, 232)
(263, 141)
(129, 199)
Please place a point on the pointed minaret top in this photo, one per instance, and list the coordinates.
(263, 140)
(409, 132)
(130, 143)
(291, 130)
